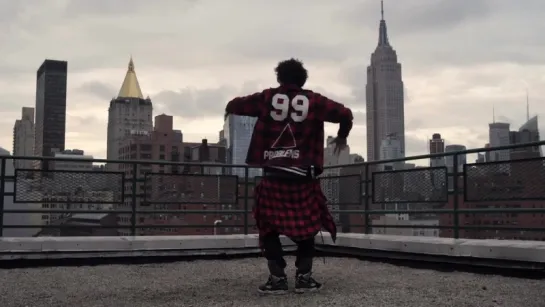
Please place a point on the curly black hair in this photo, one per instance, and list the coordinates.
(291, 72)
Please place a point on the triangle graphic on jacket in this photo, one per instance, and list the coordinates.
(285, 140)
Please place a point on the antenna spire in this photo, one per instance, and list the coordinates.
(493, 113)
(382, 33)
(527, 106)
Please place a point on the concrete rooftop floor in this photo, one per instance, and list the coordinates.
(348, 282)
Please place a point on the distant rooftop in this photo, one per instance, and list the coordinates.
(348, 283)
(531, 125)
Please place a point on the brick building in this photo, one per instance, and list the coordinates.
(198, 187)
(162, 144)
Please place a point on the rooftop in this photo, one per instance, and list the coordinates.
(348, 282)
(506, 238)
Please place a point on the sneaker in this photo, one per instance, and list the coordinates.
(305, 283)
(274, 285)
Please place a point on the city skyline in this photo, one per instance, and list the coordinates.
(446, 95)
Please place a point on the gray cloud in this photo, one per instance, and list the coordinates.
(84, 121)
(11, 11)
(76, 8)
(438, 31)
(440, 14)
(194, 103)
(416, 145)
(418, 15)
(454, 32)
(459, 57)
(98, 89)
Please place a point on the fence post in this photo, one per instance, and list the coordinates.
(455, 190)
(365, 196)
(133, 198)
(246, 194)
(2, 193)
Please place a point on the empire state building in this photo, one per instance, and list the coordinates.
(384, 97)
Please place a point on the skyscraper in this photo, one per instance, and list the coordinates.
(384, 96)
(128, 114)
(331, 187)
(390, 148)
(462, 158)
(437, 145)
(527, 133)
(50, 125)
(23, 138)
(498, 135)
(237, 133)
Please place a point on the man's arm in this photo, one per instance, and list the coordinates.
(247, 106)
(331, 111)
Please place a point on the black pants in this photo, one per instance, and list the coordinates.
(275, 255)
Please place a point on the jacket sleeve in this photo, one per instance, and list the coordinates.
(252, 105)
(331, 111)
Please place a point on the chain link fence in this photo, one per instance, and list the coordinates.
(62, 186)
(190, 189)
(419, 185)
(505, 180)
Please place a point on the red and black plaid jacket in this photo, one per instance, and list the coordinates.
(294, 207)
(289, 133)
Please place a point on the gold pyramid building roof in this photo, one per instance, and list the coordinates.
(130, 87)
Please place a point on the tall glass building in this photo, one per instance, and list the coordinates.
(237, 133)
(50, 123)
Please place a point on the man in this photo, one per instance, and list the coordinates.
(288, 142)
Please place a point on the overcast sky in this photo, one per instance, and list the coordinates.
(459, 58)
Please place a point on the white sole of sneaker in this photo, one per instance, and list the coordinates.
(308, 290)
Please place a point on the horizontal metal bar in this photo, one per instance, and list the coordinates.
(68, 226)
(130, 162)
(443, 211)
(502, 228)
(497, 210)
(190, 211)
(141, 226)
(232, 211)
(391, 211)
(45, 211)
(373, 226)
(477, 228)
(190, 202)
(222, 225)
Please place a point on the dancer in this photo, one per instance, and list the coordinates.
(288, 143)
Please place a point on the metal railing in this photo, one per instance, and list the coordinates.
(502, 199)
